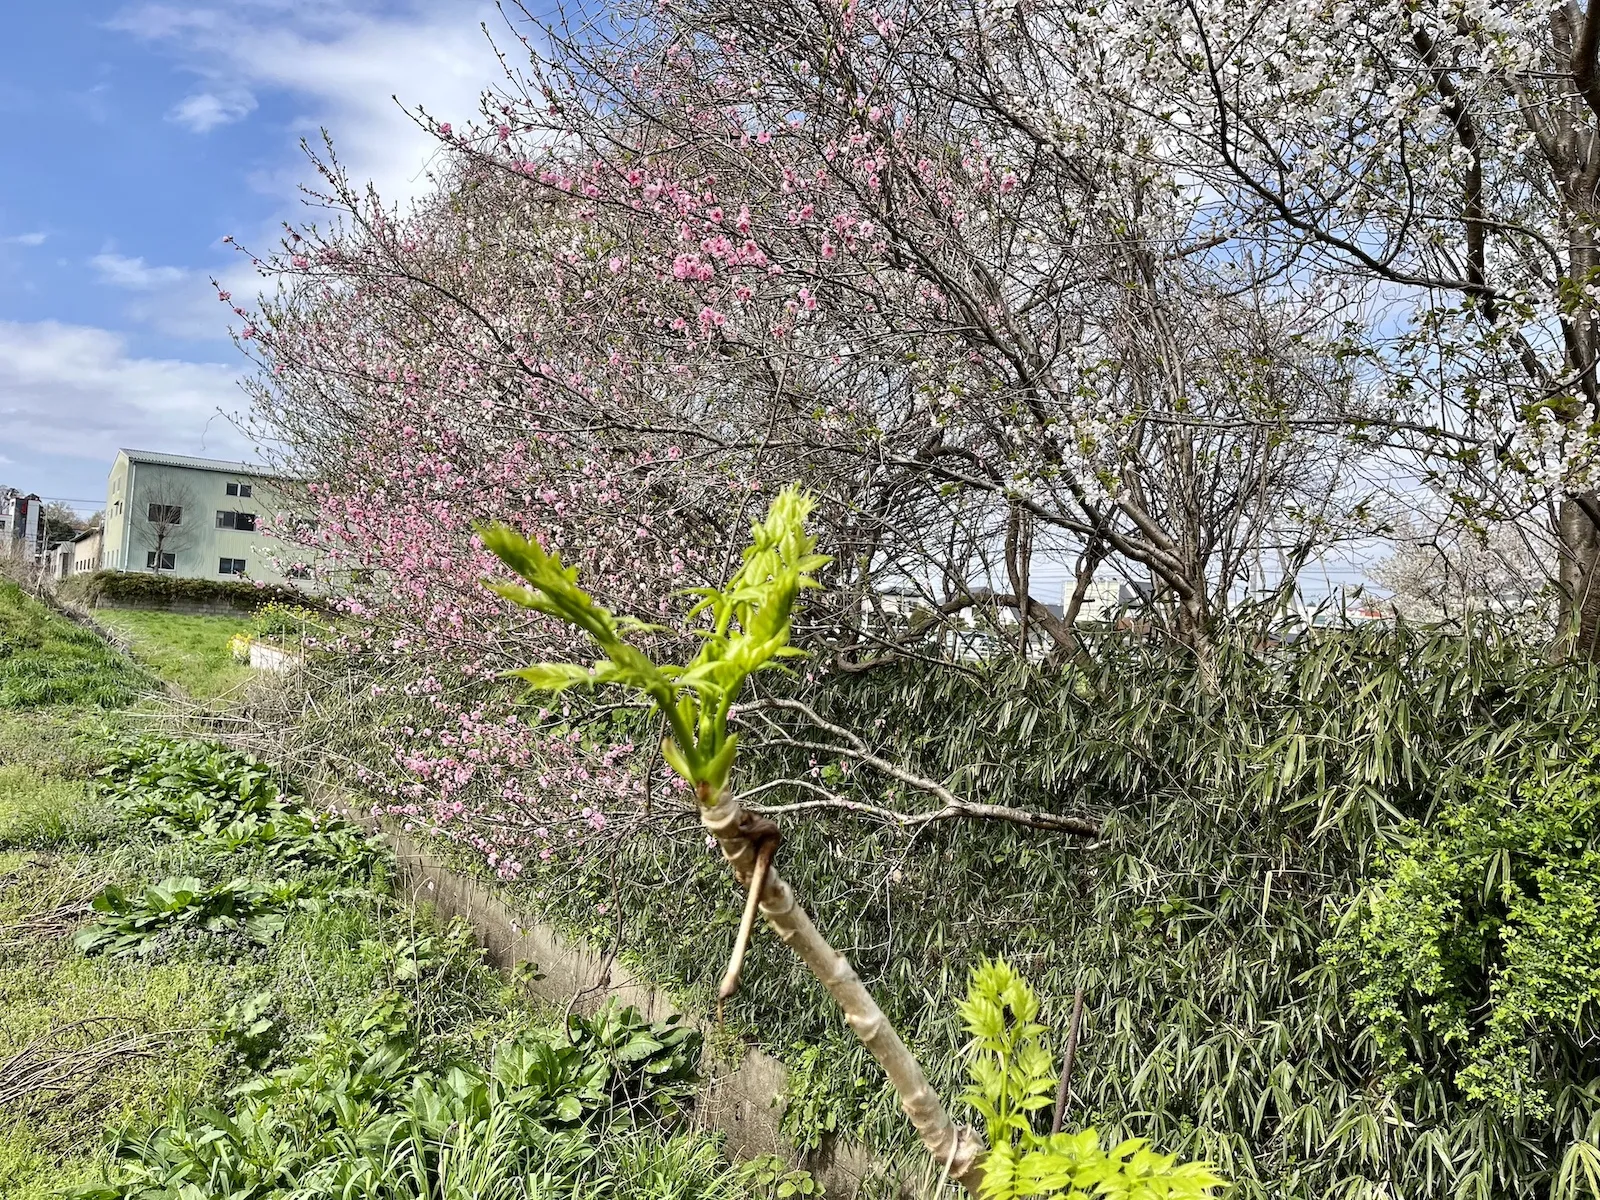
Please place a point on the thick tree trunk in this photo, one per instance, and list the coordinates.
(1580, 585)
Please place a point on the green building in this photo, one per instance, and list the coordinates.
(200, 518)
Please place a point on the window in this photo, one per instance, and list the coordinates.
(168, 560)
(166, 514)
(239, 489)
(236, 520)
(230, 566)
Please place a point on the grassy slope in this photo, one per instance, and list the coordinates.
(54, 678)
(190, 651)
(45, 660)
(61, 842)
(58, 847)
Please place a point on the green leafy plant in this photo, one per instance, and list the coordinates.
(1483, 934)
(156, 590)
(229, 803)
(749, 632)
(654, 1062)
(772, 1179)
(358, 1114)
(1013, 1078)
(826, 1092)
(250, 1028)
(139, 923)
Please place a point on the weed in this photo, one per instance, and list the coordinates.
(152, 919)
(771, 1179)
(646, 1062)
(37, 812)
(229, 804)
(359, 1114)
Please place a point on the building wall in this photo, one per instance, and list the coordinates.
(86, 553)
(197, 543)
(116, 518)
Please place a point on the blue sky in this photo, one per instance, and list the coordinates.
(133, 139)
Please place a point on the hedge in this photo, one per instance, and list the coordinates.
(148, 589)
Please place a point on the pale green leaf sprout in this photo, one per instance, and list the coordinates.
(748, 631)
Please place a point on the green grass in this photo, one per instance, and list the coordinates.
(351, 1055)
(47, 660)
(60, 843)
(186, 650)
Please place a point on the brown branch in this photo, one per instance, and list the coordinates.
(954, 805)
(1064, 1090)
(1585, 61)
(945, 1141)
(961, 810)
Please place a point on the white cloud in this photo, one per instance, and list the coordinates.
(177, 301)
(132, 273)
(26, 239)
(344, 64)
(204, 111)
(77, 392)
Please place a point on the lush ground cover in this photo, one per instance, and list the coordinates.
(183, 649)
(208, 992)
(47, 661)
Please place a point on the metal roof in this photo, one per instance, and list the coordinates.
(199, 464)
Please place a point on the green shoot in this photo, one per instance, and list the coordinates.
(1013, 1077)
(749, 632)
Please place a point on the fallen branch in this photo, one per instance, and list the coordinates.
(52, 1063)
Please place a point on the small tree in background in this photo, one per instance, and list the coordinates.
(166, 525)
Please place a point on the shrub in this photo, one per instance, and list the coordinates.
(283, 621)
(1480, 942)
(149, 589)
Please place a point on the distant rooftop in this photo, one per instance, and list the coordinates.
(198, 464)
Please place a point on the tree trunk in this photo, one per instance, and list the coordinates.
(1580, 587)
